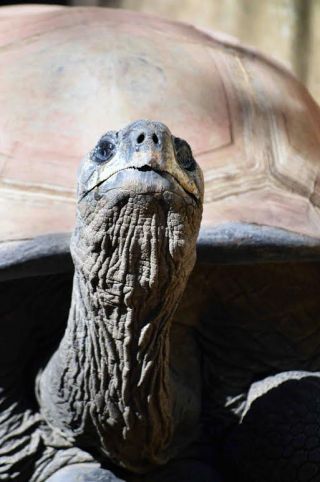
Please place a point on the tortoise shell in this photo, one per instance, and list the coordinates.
(72, 74)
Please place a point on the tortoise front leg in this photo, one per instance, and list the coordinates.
(84, 473)
(278, 439)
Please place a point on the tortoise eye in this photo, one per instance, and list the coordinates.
(184, 154)
(103, 151)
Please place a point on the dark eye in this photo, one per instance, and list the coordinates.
(184, 154)
(103, 151)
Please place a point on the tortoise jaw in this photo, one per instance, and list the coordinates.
(143, 179)
(167, 167)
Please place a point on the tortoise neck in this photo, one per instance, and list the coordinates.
(127, 285)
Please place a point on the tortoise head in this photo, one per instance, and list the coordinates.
(143, 157)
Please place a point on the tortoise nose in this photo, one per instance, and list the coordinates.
(150, 144)
(150, 137)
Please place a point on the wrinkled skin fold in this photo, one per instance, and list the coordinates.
(109, 380)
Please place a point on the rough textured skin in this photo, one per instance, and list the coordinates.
(279, 437)
(108, 384)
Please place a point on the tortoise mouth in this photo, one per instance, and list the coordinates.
(142, 180)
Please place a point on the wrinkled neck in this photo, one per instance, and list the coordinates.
(129, 278)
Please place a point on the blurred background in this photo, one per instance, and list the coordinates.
(288, 30)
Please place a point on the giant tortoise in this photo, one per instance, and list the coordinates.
(155, 375)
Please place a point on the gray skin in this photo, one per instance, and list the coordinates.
(136, 390)
(109, 384)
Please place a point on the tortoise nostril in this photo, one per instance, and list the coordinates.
(155, 138)
(140, 138)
